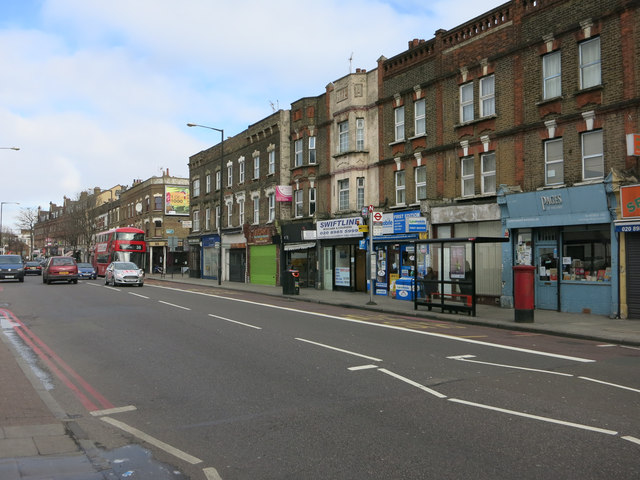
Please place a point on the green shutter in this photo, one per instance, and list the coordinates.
(263, 264)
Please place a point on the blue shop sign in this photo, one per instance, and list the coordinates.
(628, 228)
(403, 222)
(210, 241)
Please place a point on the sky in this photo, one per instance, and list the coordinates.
(98, 93)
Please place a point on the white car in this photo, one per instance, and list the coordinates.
(123, 273)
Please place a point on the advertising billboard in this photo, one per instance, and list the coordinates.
(176, 201)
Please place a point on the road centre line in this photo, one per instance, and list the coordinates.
(138, 295)
(411, 382)
(466, 358)
(631, 439)
(362, 367)
(152, 440)
(235, 321)
(173, 305)
(211, 473)
(373, 359)
(379, 325)
(610, 384)
(535, 417)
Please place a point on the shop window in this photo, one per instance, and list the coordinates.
(586, 256)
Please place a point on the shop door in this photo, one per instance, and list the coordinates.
(237, 261)
(546, 294)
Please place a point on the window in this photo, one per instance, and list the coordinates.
(590, 254)
(466, 102)
(297, 146)
(312, 201)
(359, 134)
(399, 122)
(218, 224)
(590, 63)
(468, 188)
(229, 214)
(218, 180)
(256, 167)
(488, 166)
(400, 188)
(256, 210)
(298, 202)
(553, 161)
(343, 194)
(272, 162)
(229, 175)
(359, 193)
(207, 219)
(272, 206)
(241, 172)
(421, 182)
(343, 137)
(420, 117)
(157, 203)
(551, 74)
(196, 187)
(241, 211)
(487, 96)
(208, 183)
(312, 150)
(592, 155)
(196, 220)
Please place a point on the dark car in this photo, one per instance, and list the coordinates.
(86, 270)
(11, 268)
(123, 273)
(32, 267)
(60, 269)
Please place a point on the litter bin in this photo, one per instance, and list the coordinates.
(290, 282)
(404, 288)
(523, 293)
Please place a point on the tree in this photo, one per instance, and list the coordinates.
(27, 219)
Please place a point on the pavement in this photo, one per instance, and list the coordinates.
(39, 442)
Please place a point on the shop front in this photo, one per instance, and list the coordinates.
(209, 256)
(264, 255)
(568, 235)
(343, 262)
(300, 252)
(628, 231)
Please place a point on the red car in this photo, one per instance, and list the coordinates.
(60, 269)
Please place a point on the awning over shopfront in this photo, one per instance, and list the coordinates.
(288, 247)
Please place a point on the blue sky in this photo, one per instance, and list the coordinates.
(98, 93)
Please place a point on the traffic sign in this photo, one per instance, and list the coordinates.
(377, 217)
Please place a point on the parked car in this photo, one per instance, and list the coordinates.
(11, 268)
(60, 269)
(86, 270)
(123, 273)
(32, 267)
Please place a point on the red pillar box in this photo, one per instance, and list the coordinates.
(524, 292)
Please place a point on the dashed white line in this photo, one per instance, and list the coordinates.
(138, 295)
(631, 439)
(362, 367)
(373, 359)
(467, 358)
(211, 473)
(152, 440)
(535, 417)
(610, 384)
(411, 382)
(111, 411)
(235, 321)
(174, 305)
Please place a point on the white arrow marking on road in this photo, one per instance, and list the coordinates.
(466, 358)
(610, 384)
(373, 359)
(411, 382)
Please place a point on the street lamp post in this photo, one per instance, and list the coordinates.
(2, 204)
(9, 148)
(221, 194)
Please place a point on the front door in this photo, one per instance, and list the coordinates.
(237, 262)
(546, 293)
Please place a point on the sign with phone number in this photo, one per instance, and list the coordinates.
(628, 228)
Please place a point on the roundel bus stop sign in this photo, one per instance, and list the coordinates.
(377, 217)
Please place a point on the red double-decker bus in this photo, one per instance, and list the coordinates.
(124, 244)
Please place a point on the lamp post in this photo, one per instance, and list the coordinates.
(2, 204)
(9, 148)
(221, 194)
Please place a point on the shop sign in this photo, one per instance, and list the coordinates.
(339, 228)
(399, 222)
(630, 200)
(628, 228)
(633, 144)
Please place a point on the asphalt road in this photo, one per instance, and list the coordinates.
(242, 386)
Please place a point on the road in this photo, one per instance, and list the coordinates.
(232, 385)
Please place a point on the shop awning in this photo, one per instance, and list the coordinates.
(288, 247)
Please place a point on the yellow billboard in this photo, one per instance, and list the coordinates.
(176, 201)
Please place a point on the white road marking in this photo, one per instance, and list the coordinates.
(373, 359)
(631, 439)
(466, 358)
(391, 327)
(411, 382)
(535, 417)
(173, 305)
(211, 473)
(362, 367)
(138, 295)
(610, 384)
(152, 441)
(110, 411)
(235, 321)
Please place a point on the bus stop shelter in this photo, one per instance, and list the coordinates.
(446, 271)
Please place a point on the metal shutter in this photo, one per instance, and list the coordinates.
(633, 274)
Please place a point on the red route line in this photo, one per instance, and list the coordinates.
(50, 357)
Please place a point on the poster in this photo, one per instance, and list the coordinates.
(457, 261)
(176, 201)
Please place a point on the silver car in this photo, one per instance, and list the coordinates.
(123, 273)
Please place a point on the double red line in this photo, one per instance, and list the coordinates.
(88, 396)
